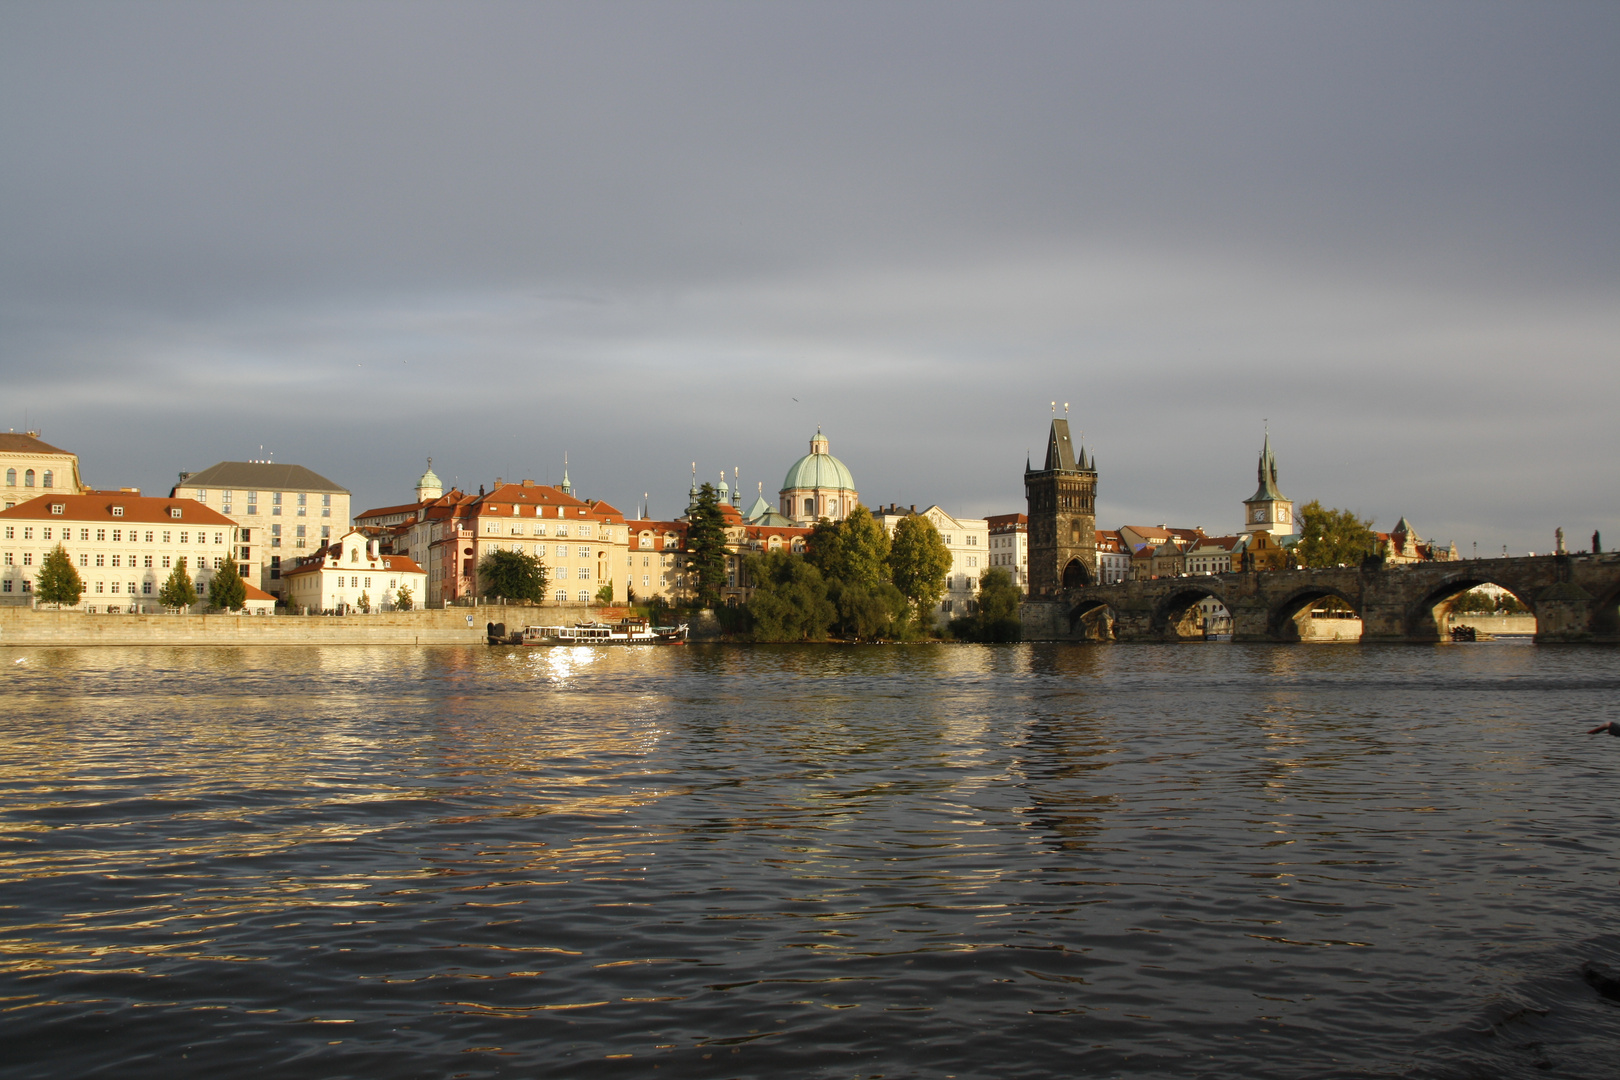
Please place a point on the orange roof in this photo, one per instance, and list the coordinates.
(384, 511)
(26, 442)
(1006, 521)
(508, 499)
(256, 593)
(100, 505)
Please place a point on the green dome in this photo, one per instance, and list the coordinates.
(818, 469)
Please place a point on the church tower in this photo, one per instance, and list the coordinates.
(1062, 500)
(1266, 510)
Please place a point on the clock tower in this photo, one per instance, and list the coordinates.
(1266, 510)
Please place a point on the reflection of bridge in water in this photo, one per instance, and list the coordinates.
(1574, 597)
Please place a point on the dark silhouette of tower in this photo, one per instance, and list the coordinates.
(1062, 500)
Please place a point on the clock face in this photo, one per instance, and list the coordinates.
(1257, 514)
(1282, 514)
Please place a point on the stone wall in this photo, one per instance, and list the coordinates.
(431, 626)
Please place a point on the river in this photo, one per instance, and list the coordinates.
(1207, 860)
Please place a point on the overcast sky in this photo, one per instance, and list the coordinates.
(646, 234)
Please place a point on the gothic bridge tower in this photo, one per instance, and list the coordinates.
(1062, 500)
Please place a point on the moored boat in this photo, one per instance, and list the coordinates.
(632, 630)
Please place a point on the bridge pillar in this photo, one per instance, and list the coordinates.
(1564, 613)
(1251, 623)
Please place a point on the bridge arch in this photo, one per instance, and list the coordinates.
(1094, 620)
(1177, 614)
(1292, 618)
(1427, 619)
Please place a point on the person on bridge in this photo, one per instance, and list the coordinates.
(1612, 728)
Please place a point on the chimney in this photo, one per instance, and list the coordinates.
(374, 548)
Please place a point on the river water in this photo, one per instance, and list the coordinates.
(1207, 860)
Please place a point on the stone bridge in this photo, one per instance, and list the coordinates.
(1575, 597)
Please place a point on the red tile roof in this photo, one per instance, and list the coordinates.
(23, 442)
(99, 507)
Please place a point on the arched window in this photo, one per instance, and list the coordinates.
(47, 478)
(11, 478)
(28, 478)
(809, 504)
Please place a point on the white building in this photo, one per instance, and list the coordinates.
(1009, 546)
(968, 541)
(30, 467)
(1113, 557)
(350, 574)
(284, 511)
(123, 545)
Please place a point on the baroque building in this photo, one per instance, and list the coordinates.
(1062, 502)
(818, 486)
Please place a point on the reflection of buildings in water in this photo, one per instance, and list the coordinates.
(1063, 764)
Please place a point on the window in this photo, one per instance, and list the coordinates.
(218, 562)
(326, 506)
(118, 511)
(28, 478)
(100, 585)
(584, 530)
(253, 502)
(28, 533)
(84, 534)
(562, 594)
(584, 552)
(584, 597)
(809, 507)
(185, 537)
(84, 560)
(48, 533)
(166, 561)
(6, 585)
(644, 581)
(275, 567)
(56, 508)
(11, 532)
(11, 478)
(584, 571)
(303, 500)
(132, 588)
(146, 587)
(517, 528)
(101, 560)
(174, 511)
(9, 557)
(368, 583)
(147, 563)
(275, 504)
(562, 527)
(115, 560)
(200, 495)
(972, 541)
(275, 536)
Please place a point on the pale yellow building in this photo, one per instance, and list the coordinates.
(30, 467)
(351, 574)
(285, 512)
(968, 541)
(123, 545)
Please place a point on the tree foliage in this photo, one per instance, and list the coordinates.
(997, 616)
(706, 547)
(364, 603)
(178, 591)
(604, 595)
(1330, 537)
(57, 582)
(855, 550)
(513, 575)
(918, 563)
(871, 612)
(226, 589)
(790, 601)
(402, 599)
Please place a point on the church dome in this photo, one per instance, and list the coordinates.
(818, 469)
(430, 479)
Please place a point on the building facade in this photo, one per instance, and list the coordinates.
(31, 467)
(1062, 507)
(285, 512)
(968, 541)
(351, 573)
(1113, 558)
(1009, 546)
(123, 545)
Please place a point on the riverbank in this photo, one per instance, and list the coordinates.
(432, 626)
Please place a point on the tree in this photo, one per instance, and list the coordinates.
(58, 583)
(178, 591)
(706, 546)
(790, 598)
(402, 599)
(855, 550)
(918, 563)
(604, 595)
(1330, 537)
(512, 574)
(997, 616)
(877, 611)
(364, 603)
(227, 589)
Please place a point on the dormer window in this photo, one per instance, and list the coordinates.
(118, 511)
(174, 511)
(57, 508)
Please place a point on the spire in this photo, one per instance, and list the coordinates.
(565, 487)
(1059, 450)
(1267, 473)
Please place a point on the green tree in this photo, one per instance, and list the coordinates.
(918, 563)
(178, 591)
(868, 612)
(364, 603)
(790, 601)
(855, 550)
(997, 616)
(1330, 537)
(604, 595)
(58, 583)
(706, 547)
(402, 599)
(512, 574)
(227, 589)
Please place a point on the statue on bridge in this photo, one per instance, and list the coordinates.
(1597, 543)
(1558, 535)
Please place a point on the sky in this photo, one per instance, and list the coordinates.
(354, 235)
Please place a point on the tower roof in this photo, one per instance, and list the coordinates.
(1059, 450)
(1267, 491)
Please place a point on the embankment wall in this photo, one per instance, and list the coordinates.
(432, 626)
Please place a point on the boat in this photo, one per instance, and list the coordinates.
(633, 630)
